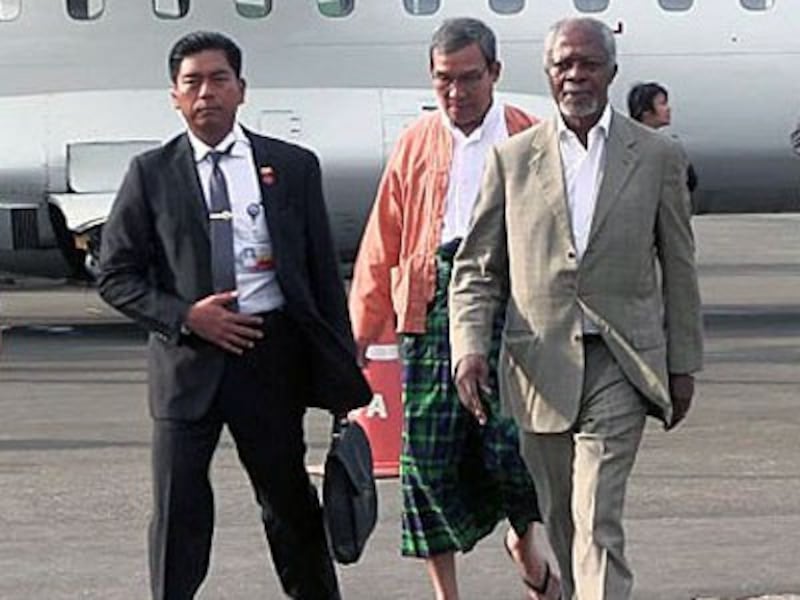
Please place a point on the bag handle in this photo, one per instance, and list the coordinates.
(338, 426)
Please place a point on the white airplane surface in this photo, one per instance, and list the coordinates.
(84, 86)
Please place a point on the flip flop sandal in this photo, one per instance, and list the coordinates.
(541, 589)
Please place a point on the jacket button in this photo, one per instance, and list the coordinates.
(571, 255)
(577, 337)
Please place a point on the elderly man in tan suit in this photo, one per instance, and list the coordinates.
(581, 234)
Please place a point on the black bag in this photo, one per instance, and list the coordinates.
(349, 496)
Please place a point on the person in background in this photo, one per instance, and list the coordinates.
(648, 103)
(582, 234)
(461, 471)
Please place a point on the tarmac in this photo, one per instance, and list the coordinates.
(713, 508)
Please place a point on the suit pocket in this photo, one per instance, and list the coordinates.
(517, 377)
(520, 337)
(644, 339)
(520, 346)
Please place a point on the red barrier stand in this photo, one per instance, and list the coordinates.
(382, 418)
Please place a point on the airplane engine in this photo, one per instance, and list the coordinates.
(33, 236)
(64, 157)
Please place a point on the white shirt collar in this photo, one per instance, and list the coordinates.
(236, 136)
(602, 126)
(490, 120)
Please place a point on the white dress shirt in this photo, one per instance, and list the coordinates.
(255, 268)
(466, 169)
(583, 173)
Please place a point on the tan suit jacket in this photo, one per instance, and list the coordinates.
(637, 279)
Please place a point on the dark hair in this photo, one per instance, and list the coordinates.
(199, 41)
(642, 97)
(454, 34)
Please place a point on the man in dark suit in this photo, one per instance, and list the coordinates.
(219, 244)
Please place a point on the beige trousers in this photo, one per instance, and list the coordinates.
(581, 478)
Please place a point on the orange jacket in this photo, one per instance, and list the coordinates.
(394, 277)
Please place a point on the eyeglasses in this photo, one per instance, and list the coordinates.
(468, 80)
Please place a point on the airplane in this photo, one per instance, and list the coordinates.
(84, 87)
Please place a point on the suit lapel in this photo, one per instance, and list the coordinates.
(261, 160)
(272, 185)
(620, 161)
(184, 167)
(548, 172)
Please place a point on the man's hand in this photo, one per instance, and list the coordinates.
(472, 377)
(212, 320)
(681, 390)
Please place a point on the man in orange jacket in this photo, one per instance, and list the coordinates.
(461, 474)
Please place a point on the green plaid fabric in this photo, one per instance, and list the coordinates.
(458, 479)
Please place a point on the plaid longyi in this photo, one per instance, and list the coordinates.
(458, 479)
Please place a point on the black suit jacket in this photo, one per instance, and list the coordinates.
(156, 262)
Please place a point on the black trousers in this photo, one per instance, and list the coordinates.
(260, 399)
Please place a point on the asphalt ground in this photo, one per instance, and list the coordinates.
(713, 508)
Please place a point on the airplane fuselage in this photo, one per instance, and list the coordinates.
(78, 97)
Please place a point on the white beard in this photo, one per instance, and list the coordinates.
(578, 110)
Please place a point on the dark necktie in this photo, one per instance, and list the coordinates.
(223, 263)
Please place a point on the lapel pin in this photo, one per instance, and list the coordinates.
(267, 175)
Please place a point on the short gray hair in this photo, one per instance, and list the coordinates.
(598, 29)
(454, 34)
